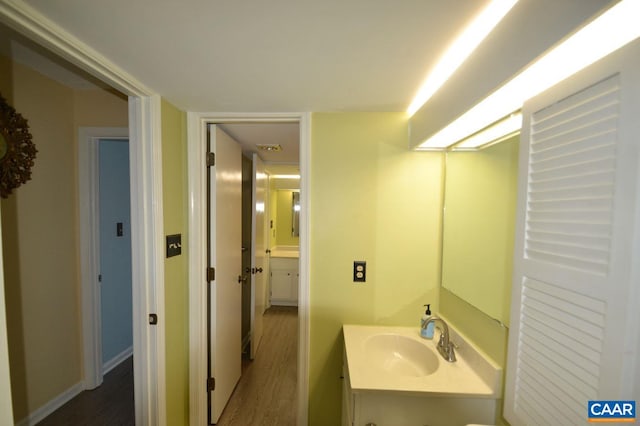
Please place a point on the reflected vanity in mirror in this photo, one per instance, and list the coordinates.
(480, 192)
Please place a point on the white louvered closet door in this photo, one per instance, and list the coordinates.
(575, 298)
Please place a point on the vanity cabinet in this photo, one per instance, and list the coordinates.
(395, 408)
(284, 281)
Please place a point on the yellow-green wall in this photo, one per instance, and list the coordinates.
(372, 199)
(174, 193)
(42, 281)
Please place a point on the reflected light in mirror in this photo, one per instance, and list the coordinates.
(605, 34)
(286, 176)
(460, 50)
(496, 133)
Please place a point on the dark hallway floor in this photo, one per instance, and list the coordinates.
(111, 404)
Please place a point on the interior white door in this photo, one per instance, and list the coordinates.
(258, 251)
(574, 320)
(225, 255)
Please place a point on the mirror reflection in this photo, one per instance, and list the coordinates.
(479, 226)
(285, 226)
(295, 213)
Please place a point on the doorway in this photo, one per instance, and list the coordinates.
(146, 180)
(115, 253)
(246, 141)
(198, 124)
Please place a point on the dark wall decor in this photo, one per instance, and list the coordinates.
(17, 150)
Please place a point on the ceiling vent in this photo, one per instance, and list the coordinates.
(269, 147)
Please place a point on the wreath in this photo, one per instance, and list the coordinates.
(17, 151)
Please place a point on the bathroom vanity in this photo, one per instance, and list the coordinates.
(284, 276)
(392, 376)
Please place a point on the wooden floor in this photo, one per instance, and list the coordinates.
(266, 394)
(110, 404)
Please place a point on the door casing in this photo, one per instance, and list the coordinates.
(196, 137)
(88, 185)
(146, 195)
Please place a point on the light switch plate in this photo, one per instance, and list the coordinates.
(174, 245)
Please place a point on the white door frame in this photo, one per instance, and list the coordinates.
(196, 137)
(88, 190)
(146, 200)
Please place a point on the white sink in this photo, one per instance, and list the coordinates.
(392, 376)
(401, 355)
(381, 358)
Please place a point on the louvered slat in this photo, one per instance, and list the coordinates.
(560, 344)
(572, 179)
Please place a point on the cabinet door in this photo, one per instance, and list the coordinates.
(280, 285)
(575, 289)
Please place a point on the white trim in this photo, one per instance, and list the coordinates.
(197, 256)
(117, 360)
(147, 259)
(304, 299)
(146, 195)
(197, 262)
(90, 248)
(42, 412)
(40, 29)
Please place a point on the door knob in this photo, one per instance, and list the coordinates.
(260, 270)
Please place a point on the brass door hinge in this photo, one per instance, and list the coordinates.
(211, 274)
(211, 384)
(211, 159)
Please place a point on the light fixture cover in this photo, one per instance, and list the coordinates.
(497, 132)
(269, 147)
(608, 32)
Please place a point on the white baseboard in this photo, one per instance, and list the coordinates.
(51, 406)
(116, 360)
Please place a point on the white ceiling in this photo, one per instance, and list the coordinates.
(304, 55)
(284, 134)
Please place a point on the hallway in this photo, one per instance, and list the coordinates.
(266, 393)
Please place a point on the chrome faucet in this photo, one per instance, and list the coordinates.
(445, 346)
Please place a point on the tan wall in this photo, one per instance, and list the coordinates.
(40, 237)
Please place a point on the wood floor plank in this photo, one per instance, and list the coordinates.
(108, 405)
(265, 395)
(267, 391)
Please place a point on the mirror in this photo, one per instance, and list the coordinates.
(480, 193)
(285, 218)
(295, 213)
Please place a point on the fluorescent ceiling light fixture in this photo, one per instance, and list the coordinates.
(498, 132)
(605, 34)
(460, 50)
(286, 176)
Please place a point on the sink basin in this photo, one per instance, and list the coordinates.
(400, 355)
(397, 359)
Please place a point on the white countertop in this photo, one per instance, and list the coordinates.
(285, 251)
(451, 379)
